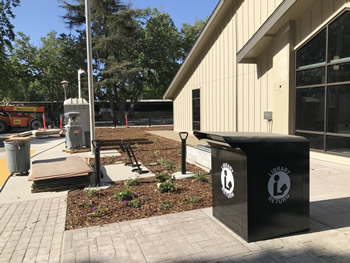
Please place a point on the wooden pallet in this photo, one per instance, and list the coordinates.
(76, 150)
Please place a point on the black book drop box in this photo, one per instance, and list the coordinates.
(260, 183)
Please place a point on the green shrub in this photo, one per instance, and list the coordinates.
(166, 163)
(132, 182)
(193, 199)
(126, 194)
(178, 168)
(167, 187)
(166, 205)
(135, 203)
(163, 177)
(170, 165)
(162, 161)
(87, 204)
(98, 212)
(91, 192)
(109, 160)
(200, 176)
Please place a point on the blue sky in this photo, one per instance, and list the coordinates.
(36, 18)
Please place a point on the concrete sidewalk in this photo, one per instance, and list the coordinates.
(33, 231)
(32, 227)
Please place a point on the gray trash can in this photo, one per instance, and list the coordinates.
(18, 154)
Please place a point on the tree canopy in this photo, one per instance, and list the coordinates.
(136, 53)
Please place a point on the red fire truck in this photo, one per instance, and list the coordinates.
(20, 116)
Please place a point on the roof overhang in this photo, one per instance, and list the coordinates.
(261, 40)
(210, 28)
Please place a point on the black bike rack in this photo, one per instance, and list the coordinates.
(125, 147)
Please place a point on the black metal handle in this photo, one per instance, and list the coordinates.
(183, 134)
(97, 145)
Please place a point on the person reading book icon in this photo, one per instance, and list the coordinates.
(281, 191)
(228, 185)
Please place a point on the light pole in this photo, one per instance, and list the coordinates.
(80, 71)
(65, 86)
(90, 76)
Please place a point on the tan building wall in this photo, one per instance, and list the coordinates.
(217, 75)
(235, 96)
(316, 16)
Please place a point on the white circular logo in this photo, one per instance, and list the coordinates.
(227, 180)
(279, 185)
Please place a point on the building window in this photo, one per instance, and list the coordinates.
(323, 88)
(196, 110)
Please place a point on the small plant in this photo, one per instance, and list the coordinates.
(167, 187)
(178, 168)
(156, 140)
(162, 161)
(157, 154)
(97, 212)
(126, 194)
(136, 145)
(166, 205)
(163, 177)
(91, 192)
(179, 150)
(193, 199)
(200, 176)
(88, 204)
(136, 203)
(170, 165)
(165, 162)
(132, 182)
(109, 160)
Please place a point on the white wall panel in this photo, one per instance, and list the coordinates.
(233, 97)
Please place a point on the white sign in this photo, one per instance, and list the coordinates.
(279, 185)
(227, 180)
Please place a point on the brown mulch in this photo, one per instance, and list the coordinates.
(148, 149)
(153, 203)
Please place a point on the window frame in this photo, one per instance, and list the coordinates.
(327, 64)
(193, 112)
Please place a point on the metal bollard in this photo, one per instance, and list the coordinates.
(183, 137)
(97, 146)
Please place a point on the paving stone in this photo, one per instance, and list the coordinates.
(82, 256)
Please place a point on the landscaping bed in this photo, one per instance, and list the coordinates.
(141, 198)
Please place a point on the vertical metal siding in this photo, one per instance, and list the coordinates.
(221, 79)
(315, 15)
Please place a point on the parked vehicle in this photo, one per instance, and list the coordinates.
(20, 116)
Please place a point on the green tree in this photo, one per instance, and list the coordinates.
(190, 34)
(55, 62)
(23, 68)
(161, 53)
(6, 28)
(6, 36)
(115, 33)
(38, 71)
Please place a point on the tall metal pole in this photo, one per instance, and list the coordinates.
(79, 85)
(90, 75)
(80, 71)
